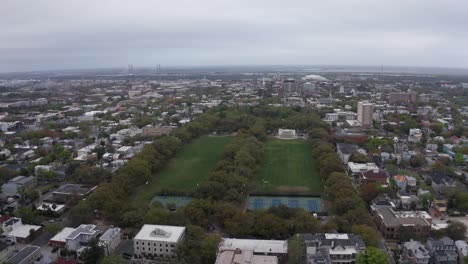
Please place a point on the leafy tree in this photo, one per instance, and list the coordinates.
(408, 124)
(100, 151)
(456, 230)
(425, 200)
(461, 201)
(52, 228)
(270, 226)
(91, 175)
(93, 253)
(80, 213)
(359, 158)
(304, 222)
(6, 174)
(459, 158)
(370, 236)
(209, 247)
(372, 256)
(113, 260)
(368, 192)
(417, 161)
(189, 251)
(27, 214)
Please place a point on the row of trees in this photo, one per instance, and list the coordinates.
(110, 199)
(343, 201)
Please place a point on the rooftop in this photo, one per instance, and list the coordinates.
(23, 254)
(109, 234)
(62, 235)
(347, 148)
(333, 240)
(74, 189)
(83, 229)
(161, 233)
(255, 245)
(407, 218)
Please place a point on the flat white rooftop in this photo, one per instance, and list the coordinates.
(256, 245)
(336, 236)
(23, 231)
(62, 235)
(161, 233)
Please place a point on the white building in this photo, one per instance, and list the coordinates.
(60, 239)
(357, 168)
(39, 168)
(16, 231)
(415, 135)
(252, 251)
(287, 133)
(80, 237)
(157, 241)
(340, 116)
(110, 240)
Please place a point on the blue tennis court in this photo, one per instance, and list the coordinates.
(178, 201)
(310, 204)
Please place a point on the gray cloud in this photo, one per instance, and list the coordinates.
(55, 34)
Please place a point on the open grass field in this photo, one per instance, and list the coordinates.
(288, 168)
(190, 167)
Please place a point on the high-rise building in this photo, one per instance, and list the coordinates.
(364, 113)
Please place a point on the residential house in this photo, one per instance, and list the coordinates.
(411, 184)
(330, 248)
(440, 204)
(443, 251)
(414, 252)
(441, 183)
(14, 230)
(20, 182)
(462, 249)
(382, 200)
(415, 135)
(345, 151)
(374, 176)
(59, 240)
(80, 237)
(400, 181)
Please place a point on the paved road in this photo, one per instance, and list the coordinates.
(42, 239)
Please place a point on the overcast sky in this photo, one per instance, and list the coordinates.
(69, 34)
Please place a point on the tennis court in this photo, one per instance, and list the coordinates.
(310, 204)
(178, 201)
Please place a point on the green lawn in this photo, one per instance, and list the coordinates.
(190, 167)
(288, 168)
